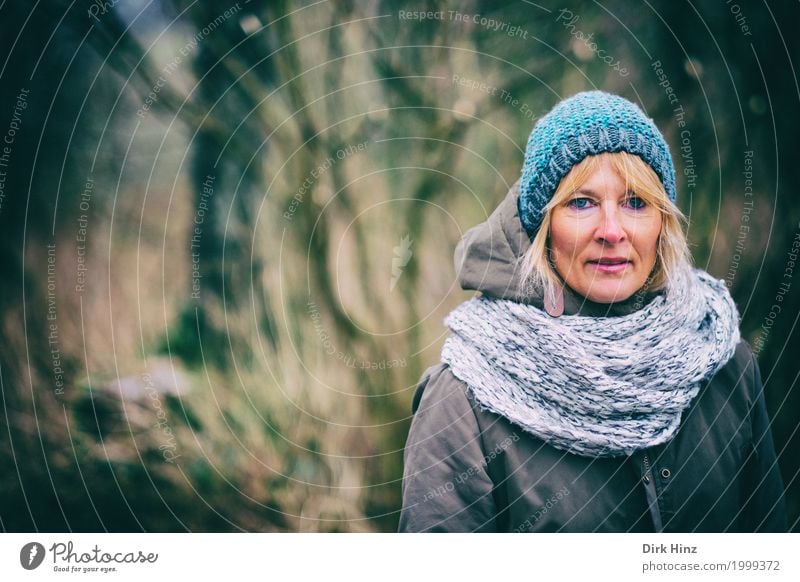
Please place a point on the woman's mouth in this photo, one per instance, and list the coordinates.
(610, 265)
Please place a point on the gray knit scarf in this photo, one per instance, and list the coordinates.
(595, 386)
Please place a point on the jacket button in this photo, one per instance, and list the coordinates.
(665, 473)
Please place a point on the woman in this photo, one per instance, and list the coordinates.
(599, 382)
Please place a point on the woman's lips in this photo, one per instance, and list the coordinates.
(609, 267)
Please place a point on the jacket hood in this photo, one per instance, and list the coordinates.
(488, 258)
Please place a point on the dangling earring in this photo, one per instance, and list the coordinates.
(554, 300)
(553, 294)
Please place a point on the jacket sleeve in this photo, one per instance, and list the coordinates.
(445, 483)
(764, 503)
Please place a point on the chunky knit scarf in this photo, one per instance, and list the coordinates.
(595, 386)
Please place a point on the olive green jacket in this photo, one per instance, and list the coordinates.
(467, 469)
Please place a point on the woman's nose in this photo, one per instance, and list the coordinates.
(610, 228)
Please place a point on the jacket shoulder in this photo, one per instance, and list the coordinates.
(744, 353)
(740, 375)
(745, 360)
(741, 361)
(439, 379)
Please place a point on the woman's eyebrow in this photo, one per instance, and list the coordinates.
(590, 192)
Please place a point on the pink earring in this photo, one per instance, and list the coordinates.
(554, 300)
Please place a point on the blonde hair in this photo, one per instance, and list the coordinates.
(672, 249)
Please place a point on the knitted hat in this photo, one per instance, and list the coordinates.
(588, 123)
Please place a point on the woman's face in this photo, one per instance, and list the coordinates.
(603, 239)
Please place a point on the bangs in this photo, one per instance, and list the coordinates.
(637, 175)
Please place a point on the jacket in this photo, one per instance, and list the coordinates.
(471, 470)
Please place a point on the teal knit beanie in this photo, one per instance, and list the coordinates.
(585, 124)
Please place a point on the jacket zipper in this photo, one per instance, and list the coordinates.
(652, 496)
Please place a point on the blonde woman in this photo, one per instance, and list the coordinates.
(599, 381)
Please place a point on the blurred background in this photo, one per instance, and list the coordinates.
(227, 231)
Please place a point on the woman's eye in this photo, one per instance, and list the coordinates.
(579, 203)
(635, 202)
